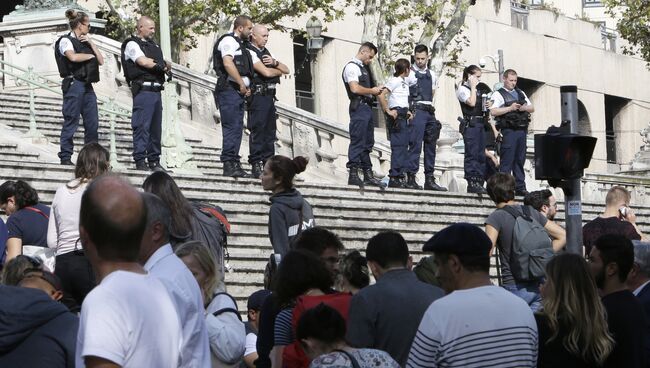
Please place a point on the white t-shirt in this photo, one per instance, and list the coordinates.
(399, 92)
(478, 327)
(187, 298)
(230, 47)
(497, 99)
(413, 80)
(351, 73)
(227, 334)
(463, 93)
(65, 44)
(63, 226)
(132, 51)
(251, 344)
(129, 319)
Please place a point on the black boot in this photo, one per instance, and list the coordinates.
(258, 167)
(141, 166)
(369, 179)
(430, 184)
(354, 178)
(395, 182)
(155, 166)
(411, 183)
(475, 186)
(233, 169)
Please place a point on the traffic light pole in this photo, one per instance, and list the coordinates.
(571, 188)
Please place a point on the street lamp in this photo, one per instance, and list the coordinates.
(315, 41)
(498, 64)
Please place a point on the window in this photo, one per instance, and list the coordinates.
(592, 3)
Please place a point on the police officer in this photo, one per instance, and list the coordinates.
(360, 92)
(424, 127)
(234, 67)
(144, 70)
(398, 114)
(262, 118)
(511, 108)
(78, 61)
(473, 128)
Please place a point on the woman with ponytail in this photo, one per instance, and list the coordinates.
(290, 213)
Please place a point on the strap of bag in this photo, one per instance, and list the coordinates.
(38, 211)
(224, 310)
(514, 213)
(355, 363)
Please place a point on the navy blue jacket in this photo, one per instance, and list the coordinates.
(35, 331)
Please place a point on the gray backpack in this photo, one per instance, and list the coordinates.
(531, 246)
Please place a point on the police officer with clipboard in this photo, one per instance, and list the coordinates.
(78, 61)
(234, 67)
(144, 70)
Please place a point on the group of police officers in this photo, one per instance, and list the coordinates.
(248, 77)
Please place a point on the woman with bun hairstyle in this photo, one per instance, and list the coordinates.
(78, 61)
(290, 213)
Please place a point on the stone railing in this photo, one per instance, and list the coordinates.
(324, 142)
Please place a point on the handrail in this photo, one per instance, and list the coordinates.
(109, 107)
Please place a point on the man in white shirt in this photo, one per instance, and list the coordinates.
(511, 109)
(144, 69)
(477, 324)
(159, 260)
(358, 86)
(129, 319)
(234, 68)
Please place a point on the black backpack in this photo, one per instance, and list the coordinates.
(531, 246)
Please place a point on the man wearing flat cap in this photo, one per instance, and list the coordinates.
(476, 323)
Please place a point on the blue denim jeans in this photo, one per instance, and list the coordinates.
(528, 292)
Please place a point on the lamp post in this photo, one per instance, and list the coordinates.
(176, 152)
(498, 64)
(314, 28)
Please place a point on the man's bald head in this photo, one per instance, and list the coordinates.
(113, 217)
(146, 27)
(260, 35)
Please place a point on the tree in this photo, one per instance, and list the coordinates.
(192, 18)
(633, 25)
(392, 26)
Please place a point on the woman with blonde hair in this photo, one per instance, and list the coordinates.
(226, 331)
(72, 266)
(572, 325)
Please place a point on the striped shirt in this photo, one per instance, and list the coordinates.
(481, 327)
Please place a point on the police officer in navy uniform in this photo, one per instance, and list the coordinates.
(78, 61)
(512, 108)
(262, 117)
(358, 86)
(234, 67)
(144, 69)
(473, 128)
(425, 128)
(397, 117)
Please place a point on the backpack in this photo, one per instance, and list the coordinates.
(211, 228)
(531, 246)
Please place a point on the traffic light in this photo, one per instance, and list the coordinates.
(562, 156)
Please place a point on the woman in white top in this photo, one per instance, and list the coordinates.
(397, 114)
(226, 331)
(72, 266)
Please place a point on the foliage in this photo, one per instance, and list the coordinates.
(192, 18)
(633, 25)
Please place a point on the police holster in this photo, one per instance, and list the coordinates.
(463, 123)
(135, 88)
(392, 124)
(66, 83)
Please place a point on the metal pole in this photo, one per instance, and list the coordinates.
(572, 191)
(501, 63)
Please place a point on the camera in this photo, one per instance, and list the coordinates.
(482, 62)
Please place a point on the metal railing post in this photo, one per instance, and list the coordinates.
(111, 106)
(33, 132)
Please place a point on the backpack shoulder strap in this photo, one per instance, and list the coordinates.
(226, 310)
(353, 360)
(513, 212)
(34, 209)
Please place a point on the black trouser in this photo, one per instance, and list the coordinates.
(77, 278)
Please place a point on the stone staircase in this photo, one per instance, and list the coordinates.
(354, 214)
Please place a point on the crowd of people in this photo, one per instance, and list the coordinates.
(118, 276)
(112, 275)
